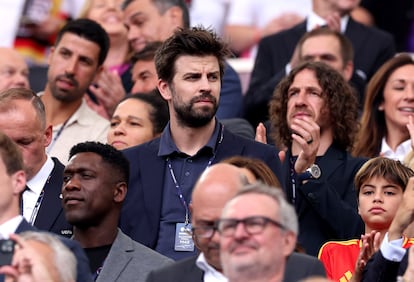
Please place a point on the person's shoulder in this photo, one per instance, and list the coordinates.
(337, 246)
(371, 31)
(147, 147)
(247, 142)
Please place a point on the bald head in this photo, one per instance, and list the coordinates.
(14, 72)
(217, 185)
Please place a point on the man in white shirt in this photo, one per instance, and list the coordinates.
(22, 118)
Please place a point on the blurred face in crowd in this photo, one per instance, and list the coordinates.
(131, 124)
(14, 72)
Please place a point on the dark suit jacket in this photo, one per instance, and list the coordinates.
(51, 216)
(327, 207)
(141, 211)
(379, 269)
(83, 271)
(372, 48)
(231, 98)
(298, 266)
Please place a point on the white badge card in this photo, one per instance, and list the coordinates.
(183, 240)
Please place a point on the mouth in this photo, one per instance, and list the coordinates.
(376, 210)
(409, 110)
(71, 200)
(117, 143)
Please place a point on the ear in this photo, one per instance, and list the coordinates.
(49, 58)
(290, 243)
(18, 182)
(120, 192)
(48, 135)
(348, 70)
(164, 89)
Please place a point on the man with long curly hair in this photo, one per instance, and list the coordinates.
(314, 116)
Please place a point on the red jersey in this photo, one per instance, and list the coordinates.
(339, 257)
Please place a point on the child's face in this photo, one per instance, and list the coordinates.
(378, 202)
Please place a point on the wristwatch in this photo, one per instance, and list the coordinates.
(313, 172)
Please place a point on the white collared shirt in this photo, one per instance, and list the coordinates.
(210, 273)
(314, 21)
(399, 154)
(10, 226)
(36, 185)
(392, 250)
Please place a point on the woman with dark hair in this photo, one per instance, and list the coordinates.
(389, 102)
(137, 119)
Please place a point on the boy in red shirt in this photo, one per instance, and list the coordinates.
(380, 184)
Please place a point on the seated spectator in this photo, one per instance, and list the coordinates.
(144, 74)
(314, 114)
(137, 119)
(380, 184)
(258, 249)
(76, 59)
(111, 85)
(40, 256)
(14, 71)
(389, 102)
(99, 169)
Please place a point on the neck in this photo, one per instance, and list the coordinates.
(395, 136)
(95, 236)
(57, 112)
(326, 140)
(257, 277)
(9, 214)
(190, 140)
(117, 54)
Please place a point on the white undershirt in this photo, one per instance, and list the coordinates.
(10, 226)
(35, 186)
(210, 273)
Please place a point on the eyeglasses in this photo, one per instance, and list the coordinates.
(204, 231)
(252, 225)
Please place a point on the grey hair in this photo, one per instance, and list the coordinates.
(287, 212)
(64, 260)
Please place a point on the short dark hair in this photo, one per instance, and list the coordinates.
(391, 170)
(164, 5)
(339, 97)
(146, 54)
(196, 41)
(10, 154)
(90, 30)
(8, 96)
(347, 51)
(159, 113)
(109, 155)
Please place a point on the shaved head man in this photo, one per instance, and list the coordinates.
(14, 72)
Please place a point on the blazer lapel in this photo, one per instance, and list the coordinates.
(117, 258)
(51, 206)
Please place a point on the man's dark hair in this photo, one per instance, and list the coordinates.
(89, 30)
(158, 114)
(196, 41)
(340, 102)
(109, 155)
(164, 5)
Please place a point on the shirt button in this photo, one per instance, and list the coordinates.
(187, 173)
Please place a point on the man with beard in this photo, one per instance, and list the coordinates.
(314, 115)
(76, 58)
(190, 67)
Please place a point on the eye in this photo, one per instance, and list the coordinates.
(66, 178)
(368, 192)
(114, 123)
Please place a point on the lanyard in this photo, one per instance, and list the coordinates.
(49, 148)
(177, 186)
(37, 207)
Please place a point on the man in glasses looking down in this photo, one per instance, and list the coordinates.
(258, 230)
